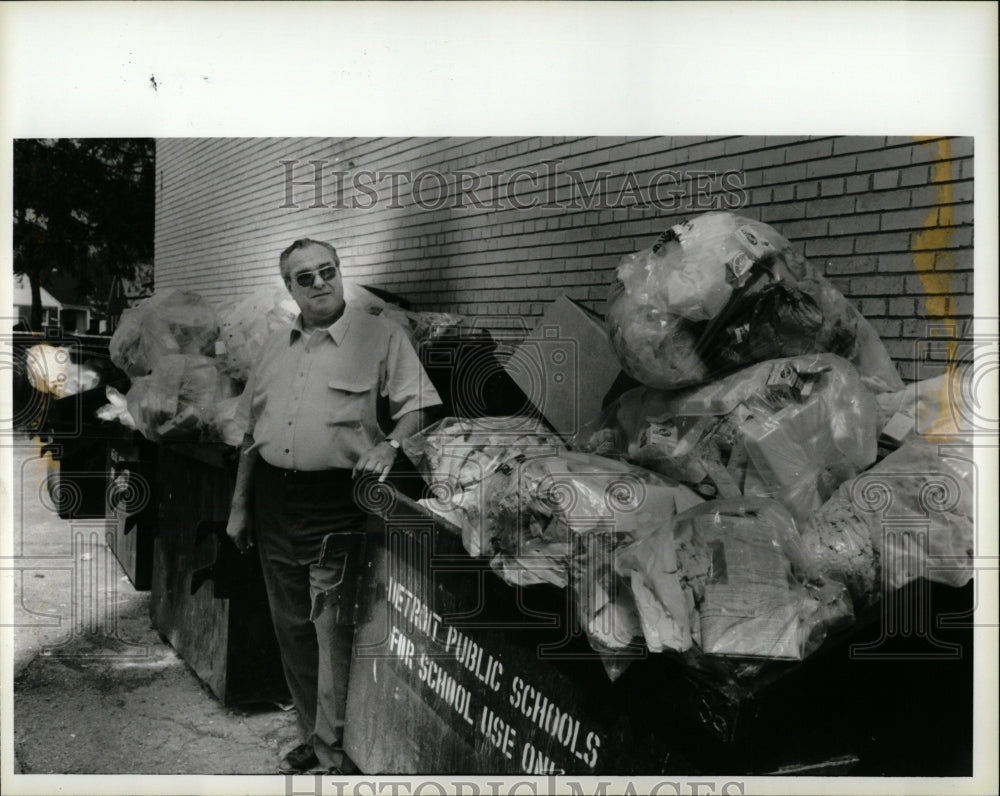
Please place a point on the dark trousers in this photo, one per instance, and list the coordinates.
(310, 534)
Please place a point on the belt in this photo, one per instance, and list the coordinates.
(337, 475)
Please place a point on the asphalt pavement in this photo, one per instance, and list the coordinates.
(95, 688)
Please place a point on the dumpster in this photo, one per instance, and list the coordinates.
(50, 404)
(207, 600)
(504, 682)
(78, 441)
(131, 469)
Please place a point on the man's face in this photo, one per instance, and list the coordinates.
(321, 301)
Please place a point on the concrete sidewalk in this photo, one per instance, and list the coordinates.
(96, 690)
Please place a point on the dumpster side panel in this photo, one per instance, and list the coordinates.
(132, 507)
(439, 654)
(207, 599)
(195, 624)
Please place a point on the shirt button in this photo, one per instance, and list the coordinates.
(286, 450)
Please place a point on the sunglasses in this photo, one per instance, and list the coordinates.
(307, 278)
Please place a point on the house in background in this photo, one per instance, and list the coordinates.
(59, 309)
(75, 318)
(51, 307)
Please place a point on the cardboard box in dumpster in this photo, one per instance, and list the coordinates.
(566, 365)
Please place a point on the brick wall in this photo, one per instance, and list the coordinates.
(497, 227)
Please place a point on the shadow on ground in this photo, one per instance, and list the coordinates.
(96, 690)
(126, 704)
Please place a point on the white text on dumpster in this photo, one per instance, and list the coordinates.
(418, 620)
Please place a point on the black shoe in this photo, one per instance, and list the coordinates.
(300, 760)
(345, 767)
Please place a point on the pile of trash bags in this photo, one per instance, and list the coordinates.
(789, 429)
(189, 363)
(721, 291)
(732, 505)
(172, 322)
(649, 560)
(928, 494)
(167, 346)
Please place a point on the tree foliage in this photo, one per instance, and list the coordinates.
(82, 207)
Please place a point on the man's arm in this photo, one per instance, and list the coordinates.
(239, 528)
(379, 459)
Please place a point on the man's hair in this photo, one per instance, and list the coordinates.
(302, 243)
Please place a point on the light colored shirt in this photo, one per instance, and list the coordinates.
(319, 400)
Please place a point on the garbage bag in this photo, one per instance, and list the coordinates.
(168, 323)
(790, 429)
(455, 455)
(780, 320)
(230, 420)
(116, 409)
(754, 591)
(52, 371)
(721, 291)
(466, 450)
(909, 516)
(649, 566)
(560, 518)
(604, 602)
(569, 494)
(176, 401)
(936, 409)
(247, 325)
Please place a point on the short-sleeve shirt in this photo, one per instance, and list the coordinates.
(319, 400)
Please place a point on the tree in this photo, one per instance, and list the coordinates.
(82, 207)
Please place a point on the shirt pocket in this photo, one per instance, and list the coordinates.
(351, 400)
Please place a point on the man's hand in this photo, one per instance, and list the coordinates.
(239, 529)
(376, 461)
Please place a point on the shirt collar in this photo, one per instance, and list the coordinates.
(337, 330)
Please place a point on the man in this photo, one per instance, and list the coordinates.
(320, 399)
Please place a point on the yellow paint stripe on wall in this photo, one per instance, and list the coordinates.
(933, 264)
(931, 259)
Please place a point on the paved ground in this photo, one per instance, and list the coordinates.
(96, 691)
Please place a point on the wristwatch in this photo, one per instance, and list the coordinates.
(393, 443)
